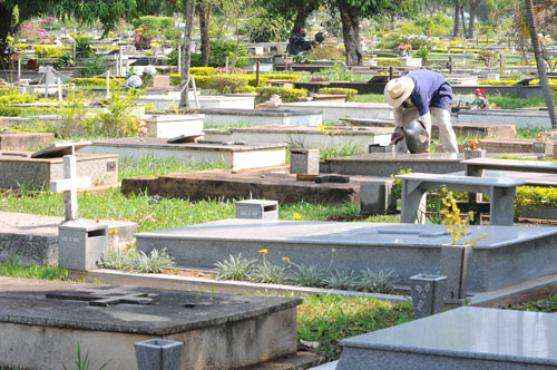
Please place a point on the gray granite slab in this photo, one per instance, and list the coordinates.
(351, 233)
(466, 333)
(69, 306)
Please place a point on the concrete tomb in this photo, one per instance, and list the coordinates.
(36, 171)
(171, 125)
(523, 118)
(407, 249)
(219, 331)
(23, 141)
(236, 156)
(467, 338)
(385, 165)
(164, 102)
(309, 137)
(334, 112)
(373, 193)
(36, 239)
(257, 117)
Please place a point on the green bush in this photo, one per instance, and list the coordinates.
(94, 67)
(49, 51)
(287, 95)
(284, 76)
(98, 82)
(224, 82)
(350, 93)
(153, 22)
(532, 196)
(203, 71)
(83, 47)
(221, 50)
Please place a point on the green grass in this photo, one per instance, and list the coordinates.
(548, 304)
(152, 213)
(328, 319)
(514, 102)
(369, 98)
(14, 268)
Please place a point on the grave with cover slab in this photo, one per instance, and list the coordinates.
(387, 164)
(256, 117)
(218, 331)
(166, 126)
(308, 137)
(407, 249)
(237, 156)
(334, 112)
(36, 171)
(164, 102)
(466, 338)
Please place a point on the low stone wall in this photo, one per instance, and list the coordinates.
(18, 142)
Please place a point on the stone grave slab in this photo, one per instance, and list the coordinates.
(475, 129)
(523, 118)
(334, 112)
(21, 169)
(236, 156)
(407, 249)
(255, 117)
(510, 146)
(172, 125)
(308, 137)
(463, 338)
(171, 100)
(59, 150)
(219, 330)
(23, 141)
(387, 164)
(34, 238)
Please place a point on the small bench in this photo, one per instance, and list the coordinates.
(501, 192)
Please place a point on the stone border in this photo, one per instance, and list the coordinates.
(203, 285)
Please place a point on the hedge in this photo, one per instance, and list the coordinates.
(350, 93)
(97, 82)
(287, 95)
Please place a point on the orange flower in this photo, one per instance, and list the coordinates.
(263, 251)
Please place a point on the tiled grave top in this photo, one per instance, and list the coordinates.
(351, 233)
(472, 332)
(26, 157)
(464, 180)
(505, 112)
(255, 112)
(162, 143)
(330, 130)
(395, 157)
(26, 302)
(515, 165)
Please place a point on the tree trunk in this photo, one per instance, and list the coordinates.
(303, 12)
(463, 21)
(350, 19)
(204, 14)
(189, 10)
(542, 73)
(456, 19)
(472, 18)
(5, 30)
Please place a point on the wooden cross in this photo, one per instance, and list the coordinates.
(69, 186)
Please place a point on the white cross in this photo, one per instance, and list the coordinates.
(69, 186)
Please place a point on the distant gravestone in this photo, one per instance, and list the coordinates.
(161, 82)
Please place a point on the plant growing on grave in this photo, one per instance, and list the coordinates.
(234, 268)
(119, 119)
(155, 262)
(377, 281)
(396, 189)
(341, 279)
(309, 275)
(72, 112)
(83, 47)
(82, 360)
(456, 223)
(13, 267)
(265, 271)
(350, 93)
(94, 67)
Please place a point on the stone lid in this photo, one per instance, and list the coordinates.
(60, 149)
(464, 180)
(473, 333)
(157, 312)
(397, 157)
(162, 144)
(357, 234)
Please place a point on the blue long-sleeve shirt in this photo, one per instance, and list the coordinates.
(430, 90)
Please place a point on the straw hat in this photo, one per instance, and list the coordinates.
(398, 90)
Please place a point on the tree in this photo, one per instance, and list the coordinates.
(353, 11)
(472, 9)
(204, 11)
(189, 15)
(542, 73)
(457, 17)
(296, 11)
